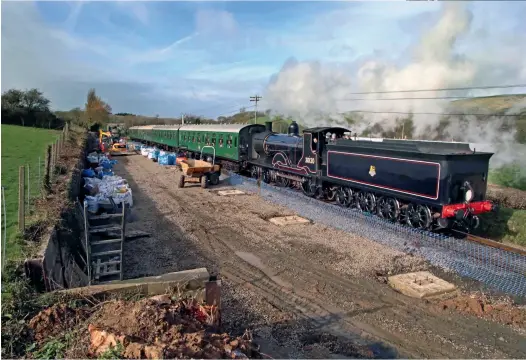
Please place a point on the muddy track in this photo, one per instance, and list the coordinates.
(297, 277)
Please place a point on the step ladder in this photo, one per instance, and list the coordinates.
(103, 243)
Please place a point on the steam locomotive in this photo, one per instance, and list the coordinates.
(424, 184)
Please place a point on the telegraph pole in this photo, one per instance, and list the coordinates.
(255, 99)
(182, 119)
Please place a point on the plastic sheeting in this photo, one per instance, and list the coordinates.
(167, 159)
(154, 154)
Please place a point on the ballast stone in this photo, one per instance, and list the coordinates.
(288, 220)
(230, 192)
(421, 284)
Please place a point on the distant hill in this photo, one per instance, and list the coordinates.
(490, 104)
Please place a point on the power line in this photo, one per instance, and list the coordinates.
(409, 98)
(236, 111)
(424, 113)
(442, 89)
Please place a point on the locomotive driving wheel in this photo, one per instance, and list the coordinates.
(344, 196)
(331, 193)
(370, 202)
(254, 172)
(389, 208)
(418, 216)
(266, 176)
(308, 188)
(360, 201)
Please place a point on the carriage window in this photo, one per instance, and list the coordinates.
(235, 142)
(220, 142)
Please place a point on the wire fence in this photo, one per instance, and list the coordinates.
(495, 268)
(34, 181)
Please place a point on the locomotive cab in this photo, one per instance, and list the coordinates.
(315, 141)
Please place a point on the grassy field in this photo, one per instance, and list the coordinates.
(21, 146)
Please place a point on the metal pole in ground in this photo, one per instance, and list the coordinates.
(39, 183)
(5, 229)
(21, 202)
(28, 188)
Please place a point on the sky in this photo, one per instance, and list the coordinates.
(208, 58)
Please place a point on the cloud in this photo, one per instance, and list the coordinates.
(308, 88)
(64, 65)
(215, 23)
(135, 9)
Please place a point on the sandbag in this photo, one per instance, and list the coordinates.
(93, 204)
(167, 159)
(145, 151)
(88, 173)
(154, 154)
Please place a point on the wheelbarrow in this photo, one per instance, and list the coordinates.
(199, 171)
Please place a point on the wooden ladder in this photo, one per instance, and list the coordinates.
(103, 243)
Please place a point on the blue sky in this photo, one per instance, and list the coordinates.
(209, 57)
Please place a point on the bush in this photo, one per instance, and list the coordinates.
(510, 175)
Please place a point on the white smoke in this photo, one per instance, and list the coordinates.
(305, 90)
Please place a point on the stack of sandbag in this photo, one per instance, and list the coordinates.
(100, 191)
(154, 154)
(145, 150)
(167, 158)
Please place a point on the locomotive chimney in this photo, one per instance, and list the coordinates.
(294, 129)
(268, 125)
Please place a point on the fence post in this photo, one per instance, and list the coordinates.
(5, 229)
(21, 199)
(39, 178)
(49, 155)
(28, 187)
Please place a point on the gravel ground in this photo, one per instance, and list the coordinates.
(305, 290)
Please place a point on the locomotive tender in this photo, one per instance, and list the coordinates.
(427, 185)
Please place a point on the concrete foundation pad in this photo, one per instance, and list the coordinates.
(420, 284)
(230, 192)
(288, 220)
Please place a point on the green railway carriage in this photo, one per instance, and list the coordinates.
(230, 141)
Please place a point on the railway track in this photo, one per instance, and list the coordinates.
(494, 264)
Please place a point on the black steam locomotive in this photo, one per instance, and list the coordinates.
(424, 184)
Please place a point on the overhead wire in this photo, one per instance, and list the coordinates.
(412, 98)
(441, 89)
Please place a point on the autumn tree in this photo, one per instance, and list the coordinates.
(96, 111)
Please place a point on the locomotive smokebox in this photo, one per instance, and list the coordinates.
(294, 129)
(268, 125)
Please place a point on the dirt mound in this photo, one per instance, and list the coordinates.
(54, 320)
(507, 197)
(502, 312)
(153, 328)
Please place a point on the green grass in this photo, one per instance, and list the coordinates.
(21, 146)
(510, 175)
(508, 225)
(497, 103)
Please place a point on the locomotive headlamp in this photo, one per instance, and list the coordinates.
(468, 194)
